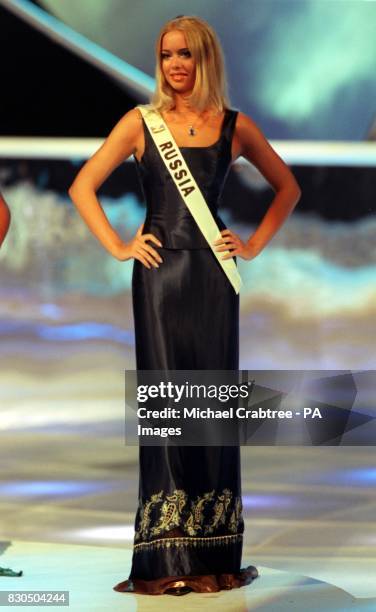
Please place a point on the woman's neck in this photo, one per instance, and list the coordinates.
(182, 105)
(185, 109)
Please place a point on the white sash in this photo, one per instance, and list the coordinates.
(188, 188)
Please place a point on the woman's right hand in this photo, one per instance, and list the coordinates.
(139, 249)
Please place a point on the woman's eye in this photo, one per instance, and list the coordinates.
(181, 53)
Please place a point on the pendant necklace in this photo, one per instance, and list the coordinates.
(192, 131)
(192, 127)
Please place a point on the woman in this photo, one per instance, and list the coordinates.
(189, 521)
(4, 226)
(4, 219)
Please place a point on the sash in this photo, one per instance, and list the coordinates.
(188, 188)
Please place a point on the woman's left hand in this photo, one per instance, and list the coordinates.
(233, 243)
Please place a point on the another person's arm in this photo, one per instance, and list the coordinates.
(4, 219)
(118, 146)
(253, 146)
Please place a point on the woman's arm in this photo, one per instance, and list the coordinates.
(123, 140)
(4, 219)
(252, 144)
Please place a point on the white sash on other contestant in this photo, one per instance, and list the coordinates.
(188, 188)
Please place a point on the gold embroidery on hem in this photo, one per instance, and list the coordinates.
(170, 512)
(236, 516)
(184, 541)
(202, 516)
(220, 510)
(145, 517)
(196, 517)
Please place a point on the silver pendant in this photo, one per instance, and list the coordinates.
(192, 131)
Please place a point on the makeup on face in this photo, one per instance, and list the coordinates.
(177, 63)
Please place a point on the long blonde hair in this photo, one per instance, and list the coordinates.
(210, 88)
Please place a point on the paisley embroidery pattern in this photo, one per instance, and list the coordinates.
(194, 524)
(145, 517)
(236, 516)
(220, 510)
(170, 512)
(211, 514)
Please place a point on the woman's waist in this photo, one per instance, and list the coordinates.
(182, 232)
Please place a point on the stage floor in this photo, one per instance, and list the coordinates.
(67, 507)
(68, 493)
(88, 572)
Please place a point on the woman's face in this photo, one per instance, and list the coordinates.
(178, 65)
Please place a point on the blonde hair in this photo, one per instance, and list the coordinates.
(210, 88)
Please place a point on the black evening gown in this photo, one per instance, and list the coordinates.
(189, 525)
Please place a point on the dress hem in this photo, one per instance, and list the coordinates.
(198, 584)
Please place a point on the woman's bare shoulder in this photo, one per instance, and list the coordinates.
(249, 135)
(130, 123)
(245, 124)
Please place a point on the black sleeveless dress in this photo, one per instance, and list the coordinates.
(189, 524)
